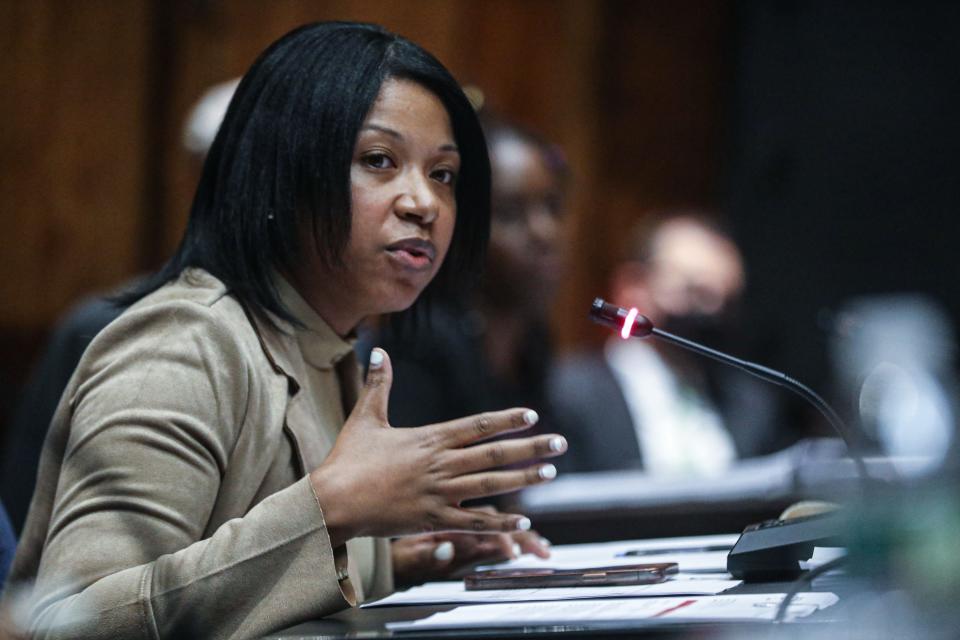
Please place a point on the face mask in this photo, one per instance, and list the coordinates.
(711, 330)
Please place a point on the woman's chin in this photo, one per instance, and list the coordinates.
(397, 303)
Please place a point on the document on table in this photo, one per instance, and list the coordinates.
(455, 593)
(697, 554)
(732, 608)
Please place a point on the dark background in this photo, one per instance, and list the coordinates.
(842, 167)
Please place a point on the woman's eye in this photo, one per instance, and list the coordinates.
(444, 176)
(378, 161)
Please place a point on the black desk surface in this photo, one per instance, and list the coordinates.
(370, 623)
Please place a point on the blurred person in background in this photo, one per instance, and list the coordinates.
(493, 348)
(645, 404)
(72, 335)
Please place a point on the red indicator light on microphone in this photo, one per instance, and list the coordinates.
(628, 323)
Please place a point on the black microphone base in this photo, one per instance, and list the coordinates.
(772, 550)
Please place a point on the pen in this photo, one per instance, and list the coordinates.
(657, 552)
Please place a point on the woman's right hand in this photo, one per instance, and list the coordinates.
(381, 481)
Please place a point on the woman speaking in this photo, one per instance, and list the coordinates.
(216, 468)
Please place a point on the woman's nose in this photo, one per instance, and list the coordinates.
(417, 201)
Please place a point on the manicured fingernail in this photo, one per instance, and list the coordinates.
(531, 417)
(376, 359)
(545, 542)
(524, 524)
(517, 552)
(443, 552)
(558, 444)
(547, 472)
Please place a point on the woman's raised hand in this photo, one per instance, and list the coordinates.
(381, 481)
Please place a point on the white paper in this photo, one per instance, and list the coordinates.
(693, 559)
(455, 593)
(606, 554)
(823, 555)
(722, 608)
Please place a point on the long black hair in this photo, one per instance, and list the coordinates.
(284, 152)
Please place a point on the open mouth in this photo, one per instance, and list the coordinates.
(413, 253)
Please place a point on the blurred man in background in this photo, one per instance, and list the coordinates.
(643, 404)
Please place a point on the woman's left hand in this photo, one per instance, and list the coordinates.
(435, 556)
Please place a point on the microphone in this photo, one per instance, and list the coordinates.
(770, 550)
(630, 324)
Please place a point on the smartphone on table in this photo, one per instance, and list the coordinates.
(630, 574)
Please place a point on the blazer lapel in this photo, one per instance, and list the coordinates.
(280, 346)
(314, 444)
(300, 425)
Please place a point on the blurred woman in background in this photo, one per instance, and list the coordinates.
(492, 348)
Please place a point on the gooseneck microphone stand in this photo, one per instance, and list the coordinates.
(770, 550)
(631, 324)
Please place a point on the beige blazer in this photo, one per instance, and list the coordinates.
(171, 497)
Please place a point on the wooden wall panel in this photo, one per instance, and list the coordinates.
(71, 163)
(70, 151)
